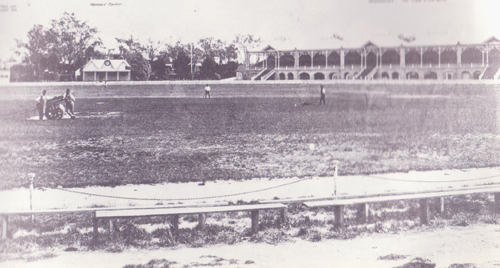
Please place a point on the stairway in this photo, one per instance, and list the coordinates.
(491, 71)
(260, 74)
(269, 75)
(366, 72)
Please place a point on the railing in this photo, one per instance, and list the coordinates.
(266, 76)
(318, 67)
(435, 65)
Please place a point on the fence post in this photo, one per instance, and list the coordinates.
(95, 229)
(255, 221)
(5, 226)
(335, 166)
(497, 202)
(31, 178)
(424, 211)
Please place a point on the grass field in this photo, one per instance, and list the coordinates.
(154, 134)
(136, 140)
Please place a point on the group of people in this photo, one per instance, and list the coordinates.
(68, 98)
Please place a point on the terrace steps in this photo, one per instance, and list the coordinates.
(364, 74)
(262, 74)
(491, 71)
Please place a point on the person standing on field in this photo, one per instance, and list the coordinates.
(70, 103)
(207, 92)
(323, 95)
(41, 103)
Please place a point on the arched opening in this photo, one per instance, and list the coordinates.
(271, 62)
(290, 76)
(333, 59)
(282, 76)
(287, 60)
(390, 57)
(333, 76)
(472, 56)
(385, 75)
(449, 57)
(466, 75)
(347, 76)
(494, 56)
(448, 76)
(412, 57)
(371, 60)
(476, 75)
(431, 75)
(319, 76)
(412, 75)
(395, 76)
(352, 58)
(430, 57)
(319, 60)
(305, 60)
(305, 76)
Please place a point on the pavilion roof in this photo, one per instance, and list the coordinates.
(106, 66)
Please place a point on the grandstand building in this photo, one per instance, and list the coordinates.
(438, 62)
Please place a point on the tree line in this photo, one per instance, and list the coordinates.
(55, 52)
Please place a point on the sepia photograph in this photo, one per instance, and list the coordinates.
(250, 133)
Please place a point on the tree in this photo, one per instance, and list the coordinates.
(72, 38)
(217, 49)
(181, 66)
(244, 43)
(158, 66)
(228, 70)
(66, 41)
(209, 69)
(35, 50)
(132, 52)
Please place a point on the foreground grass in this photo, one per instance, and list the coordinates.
(52, 234)
(180, 140)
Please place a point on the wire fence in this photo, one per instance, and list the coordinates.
(432, 181)
(182, 199)
(252, 191)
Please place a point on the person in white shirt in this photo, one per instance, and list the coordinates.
(41, 103)
(70, 103)
(323, 95)
(207, 92)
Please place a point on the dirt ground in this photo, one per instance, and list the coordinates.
(479, 244)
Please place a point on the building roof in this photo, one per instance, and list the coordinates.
(382, 40)
(106, 66)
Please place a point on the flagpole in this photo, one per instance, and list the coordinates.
(192, 61)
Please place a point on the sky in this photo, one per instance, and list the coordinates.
(283, 24)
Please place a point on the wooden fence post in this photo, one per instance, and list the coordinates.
(5, 226)
(283, 216)
(363, 212)
(201, 221)
(424, 211)
(439, 206)
(335, 166)
(255, 221)
(95, 227)
(31, 178)
(497, 202)
(175, 223)
(111, 226)
(338, 212)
